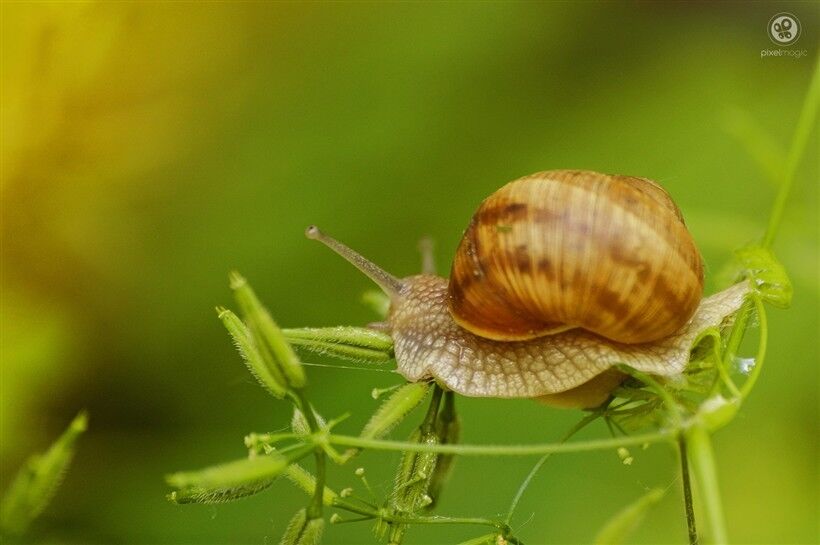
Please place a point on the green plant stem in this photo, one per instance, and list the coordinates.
(429, 423)
(761, 349)
(736, 334)
(723, 375)
(387, 516)
(412, 519)
(687, 492)
(412, 480)
(504, 450)
(799, 141)
(669, 403)
(257, 440)
(307, 483)
(701, 457)
(736, 337)
(575, 429)
(314, 510)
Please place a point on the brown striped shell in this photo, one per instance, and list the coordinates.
(568, 249)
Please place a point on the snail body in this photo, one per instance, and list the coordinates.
(428, 343)
(560, 276)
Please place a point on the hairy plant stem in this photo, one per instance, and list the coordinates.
(307, 483)
(413, 482)
(448, 430)
(687, 492)
(699, 451)
(428, 425)
(314, 510)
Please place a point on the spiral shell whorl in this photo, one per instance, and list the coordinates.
(563, 249)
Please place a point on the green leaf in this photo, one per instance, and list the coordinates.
(268, 376)
(394, 409)
(218, 495)
(38, 479)
(769, 277)
(269, 338)
(618, 528)
(359, 344)
(238, 473)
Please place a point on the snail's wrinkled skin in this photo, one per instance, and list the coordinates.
(429, 344)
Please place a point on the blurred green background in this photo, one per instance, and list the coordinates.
(150, 148)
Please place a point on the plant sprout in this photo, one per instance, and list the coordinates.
(38, 479)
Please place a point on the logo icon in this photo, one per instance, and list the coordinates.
(784, 29)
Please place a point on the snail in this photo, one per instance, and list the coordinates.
(559, 277)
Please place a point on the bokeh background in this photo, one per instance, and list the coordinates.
(147, 149)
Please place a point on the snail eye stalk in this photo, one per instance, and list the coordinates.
(391, 285)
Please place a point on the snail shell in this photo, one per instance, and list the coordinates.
(568, 249)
